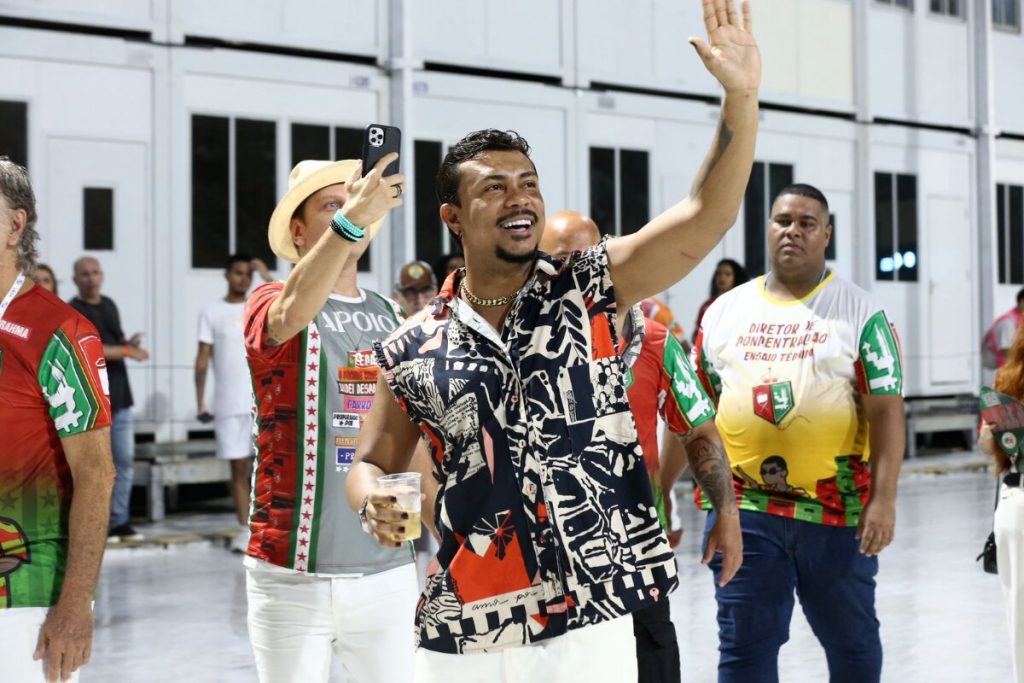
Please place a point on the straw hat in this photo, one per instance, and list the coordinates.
(306, 179)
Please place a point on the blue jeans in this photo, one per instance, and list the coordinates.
(836, 587)
(122, 443)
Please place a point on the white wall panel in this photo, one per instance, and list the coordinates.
(1009, 169)
(1007, 60)
(807, 49)
(937, 315)
(641, 44)
(124, 14)
(494, 34)
(919, 66)
(345, 26)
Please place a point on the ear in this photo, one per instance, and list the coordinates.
(828, 234)
(19, 219)
(298, 230)
(450, 216)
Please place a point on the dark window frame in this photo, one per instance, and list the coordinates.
(948, 8)
(767, 180)
(620, 188)
(897, 215)
(1010, 233)
(1003, 17)
(14, 131)
(98, 218)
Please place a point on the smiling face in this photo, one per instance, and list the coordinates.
(798, 234)
(501, 212)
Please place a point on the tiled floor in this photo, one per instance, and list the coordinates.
(177, 613)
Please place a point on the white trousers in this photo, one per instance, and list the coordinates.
(604, 653)
(19, 633)
(297, 622)
(1009, 528)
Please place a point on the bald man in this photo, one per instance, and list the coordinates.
(661, 381)
(102, 312)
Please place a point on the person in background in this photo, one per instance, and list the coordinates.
(46, 279)
(56, 470)
(103, 314)
(807, 372)
(728, 274)
(661, 383)
(448, 264)
(221, 341)
(1009, 516)
(996, 343)
(416, 286)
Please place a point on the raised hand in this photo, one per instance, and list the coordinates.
(731, 53)
(372, 196)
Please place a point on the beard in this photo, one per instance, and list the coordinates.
(509, 257)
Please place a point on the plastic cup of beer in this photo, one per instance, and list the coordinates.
(405, 487)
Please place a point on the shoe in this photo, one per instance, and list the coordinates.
(124, 532)
(240, 543)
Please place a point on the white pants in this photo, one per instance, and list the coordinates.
(604, 653)
(233, 434)
(296, 622)
(19, 633)
(1009, 528)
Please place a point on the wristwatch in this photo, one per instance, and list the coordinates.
(363, 521)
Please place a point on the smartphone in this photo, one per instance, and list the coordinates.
(378, 141)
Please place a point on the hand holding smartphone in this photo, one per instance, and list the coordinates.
(378, 141)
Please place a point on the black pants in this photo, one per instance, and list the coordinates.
(657, 651)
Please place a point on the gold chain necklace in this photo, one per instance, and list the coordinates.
(474, 299)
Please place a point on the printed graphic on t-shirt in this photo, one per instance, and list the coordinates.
(773, 402)
(788, 375)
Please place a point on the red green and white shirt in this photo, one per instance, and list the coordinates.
(661, 381)
(311, 395)
(53, 384)
(787, 375)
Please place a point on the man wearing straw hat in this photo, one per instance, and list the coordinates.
(317, 584)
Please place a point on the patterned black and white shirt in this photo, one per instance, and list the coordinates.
(545, 509)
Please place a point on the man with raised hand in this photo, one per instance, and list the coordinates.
(317, 584)
(807, 373)
(549, 533)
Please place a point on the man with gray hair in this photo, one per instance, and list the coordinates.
(56, 469)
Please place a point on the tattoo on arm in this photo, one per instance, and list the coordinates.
(711, 469)
(723, 138)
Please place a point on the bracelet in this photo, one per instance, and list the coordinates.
(346, 228)
(126, 350)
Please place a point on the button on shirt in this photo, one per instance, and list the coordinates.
(544, 505)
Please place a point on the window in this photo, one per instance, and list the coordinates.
(14, 131)
(98, 217)
(620, 195)
(211, 212)
(314, 141)
(950, 8)
(896, 252)
(1010, 233)
(1006, 13)
(909, 4)
(767, 180)
(234, 189)
(830, 250)
(432, 237)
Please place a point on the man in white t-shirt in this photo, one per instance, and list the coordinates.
(220, 338)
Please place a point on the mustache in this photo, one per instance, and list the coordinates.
(516, 214)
